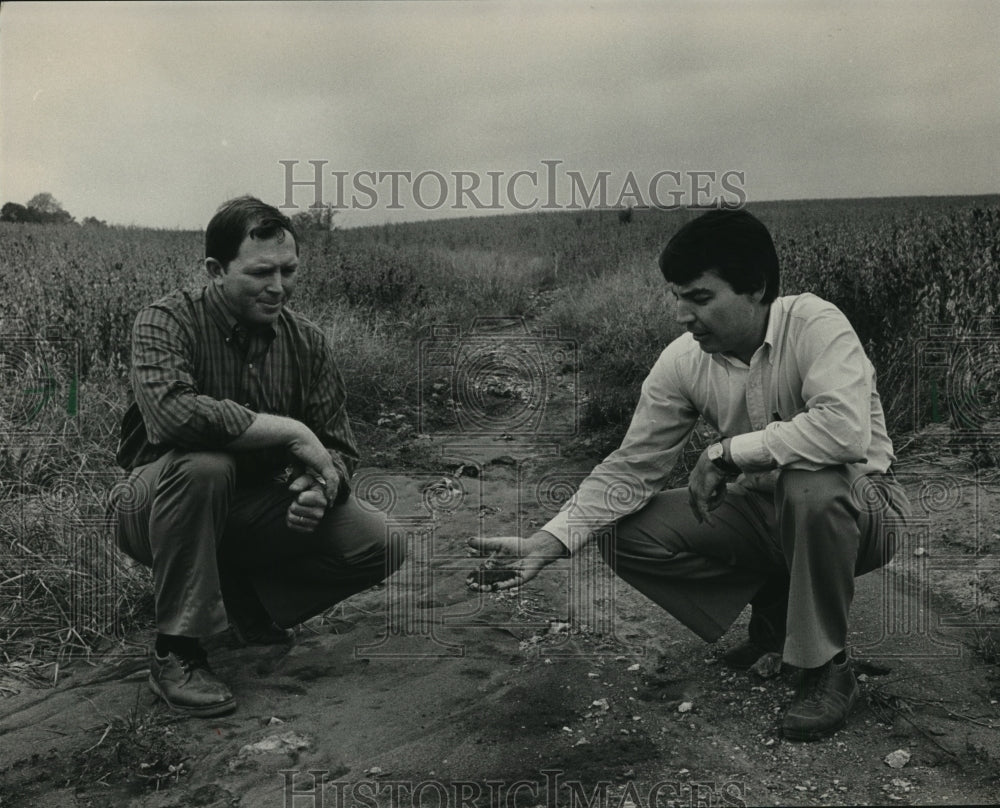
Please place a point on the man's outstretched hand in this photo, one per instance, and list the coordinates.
(515, 561)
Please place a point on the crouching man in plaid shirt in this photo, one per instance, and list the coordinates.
(240, 453)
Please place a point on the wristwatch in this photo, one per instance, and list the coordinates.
(717, 454)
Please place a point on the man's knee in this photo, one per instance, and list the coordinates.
(810, 492)
(201, 468)
(371, 538)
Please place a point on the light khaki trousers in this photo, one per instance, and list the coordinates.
(818, 530)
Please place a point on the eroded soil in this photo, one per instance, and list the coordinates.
(422, 692)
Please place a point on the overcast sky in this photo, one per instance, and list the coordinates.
(153, 114)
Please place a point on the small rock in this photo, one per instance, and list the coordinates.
(685, 707)
(284, 743)
(633, 668)
(601, 704)
(920, 551)
(556, 627)
(375, 771)
(768, 666)
(274, 720)
(871, 668)
(898, 759)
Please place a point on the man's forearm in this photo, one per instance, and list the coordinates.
(277, 431)
(268, 431)
(546, 544)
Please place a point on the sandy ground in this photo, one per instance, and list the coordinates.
(421, 692)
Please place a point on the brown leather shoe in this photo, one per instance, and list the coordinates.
(189, 686)
(824, 700)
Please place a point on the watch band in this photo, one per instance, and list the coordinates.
(719, 460)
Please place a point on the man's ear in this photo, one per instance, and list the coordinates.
(214, 269)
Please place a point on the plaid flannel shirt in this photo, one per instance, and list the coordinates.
(198, 376)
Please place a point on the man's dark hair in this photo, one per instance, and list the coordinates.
(242, 217)
(731, 243)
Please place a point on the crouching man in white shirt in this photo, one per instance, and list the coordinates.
(794, 501)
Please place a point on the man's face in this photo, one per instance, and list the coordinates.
(720, 320)
(259, 280)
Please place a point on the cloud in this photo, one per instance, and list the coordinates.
(154, 112)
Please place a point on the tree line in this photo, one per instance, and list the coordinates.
(42, 208)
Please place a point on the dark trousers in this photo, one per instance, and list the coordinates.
(817, 532)
(207, 526)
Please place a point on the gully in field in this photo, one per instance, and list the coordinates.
(784, 510)
(240, 453)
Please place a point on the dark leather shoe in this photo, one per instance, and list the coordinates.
(259, 632)
(825, 699)
(248, 618)
(767, 636)
(745, 655)
(189, 686)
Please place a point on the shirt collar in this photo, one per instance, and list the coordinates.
(775, 318)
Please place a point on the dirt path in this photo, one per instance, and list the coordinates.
(422, 692)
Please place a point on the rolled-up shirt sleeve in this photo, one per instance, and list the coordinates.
(173, 409)
(834, 425)
(640, 467)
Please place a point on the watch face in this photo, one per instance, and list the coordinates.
(715, 452)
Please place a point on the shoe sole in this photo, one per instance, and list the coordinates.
(208, 711)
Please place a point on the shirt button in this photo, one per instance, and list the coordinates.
(251, 366)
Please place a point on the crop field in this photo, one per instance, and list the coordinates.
(919, 278)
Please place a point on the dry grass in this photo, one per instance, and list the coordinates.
(896, 268)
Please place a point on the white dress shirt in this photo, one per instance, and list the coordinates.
(807, 400)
